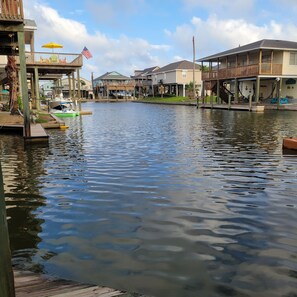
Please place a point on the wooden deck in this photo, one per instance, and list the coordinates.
(28, 284)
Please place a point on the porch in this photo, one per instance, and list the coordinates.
(242, 71)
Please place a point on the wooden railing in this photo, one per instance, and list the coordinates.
(53, 59)
(11, 10)
(243, 71)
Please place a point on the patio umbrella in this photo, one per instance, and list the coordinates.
(52, 45)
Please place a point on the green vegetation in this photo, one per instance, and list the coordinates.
(179, 99)
(167, 100)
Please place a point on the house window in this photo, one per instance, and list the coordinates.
(184, 73)
(293, 58)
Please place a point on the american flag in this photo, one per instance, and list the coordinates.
(86, 53)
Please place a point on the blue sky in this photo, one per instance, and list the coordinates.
(128, 35)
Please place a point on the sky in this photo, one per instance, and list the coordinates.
(129, 35)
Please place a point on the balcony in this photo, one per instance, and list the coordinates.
(53, 60)
(243, 71)
(11, 10)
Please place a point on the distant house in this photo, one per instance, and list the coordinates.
(49, 89)
(263, 70)
(143, 81)
(112, 84)
(175, 77)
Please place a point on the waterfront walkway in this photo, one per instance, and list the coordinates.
(29, 284)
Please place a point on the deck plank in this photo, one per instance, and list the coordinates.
(29, 284)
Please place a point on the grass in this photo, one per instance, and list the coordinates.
(179, 99)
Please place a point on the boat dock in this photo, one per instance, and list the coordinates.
(29, 284)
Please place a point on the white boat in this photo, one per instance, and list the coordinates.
(64, 111)
(59, 100)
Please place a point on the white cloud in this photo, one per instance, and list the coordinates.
(216, 34)
(123, 54)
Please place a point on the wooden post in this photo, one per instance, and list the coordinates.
(218, 91)
(73, 86)
(37, 95)
(279, 90)
(250, 102)
(69, 86)
(6, 274)
(211, 99)
(78, 89)
(23, 75)
(257, 89)
(236, 90)
(229, 101)
(78, 84)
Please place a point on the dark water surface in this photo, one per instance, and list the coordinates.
(163, 200)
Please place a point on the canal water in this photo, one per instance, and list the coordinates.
(161, 200)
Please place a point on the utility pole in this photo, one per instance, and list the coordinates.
(194, 70)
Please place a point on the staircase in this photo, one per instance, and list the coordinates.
(224, 92)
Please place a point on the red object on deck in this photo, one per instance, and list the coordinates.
(290, 143)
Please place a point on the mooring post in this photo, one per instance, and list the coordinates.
(229, 101)
(6, 273)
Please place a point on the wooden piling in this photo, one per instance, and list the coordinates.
(6, 274)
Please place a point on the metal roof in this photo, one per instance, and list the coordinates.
(261, 44)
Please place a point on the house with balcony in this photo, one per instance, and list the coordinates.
(143, 81)
(38, 65)
(113, 84)
(173, 78)
(263, 72)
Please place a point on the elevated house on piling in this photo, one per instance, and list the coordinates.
(38, 65)
(143, 81)
(113, 85)
(262, 72)
(174, 77)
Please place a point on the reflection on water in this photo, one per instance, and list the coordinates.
(163, 200)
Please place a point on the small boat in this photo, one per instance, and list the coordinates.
(64, 111)
(290, 143)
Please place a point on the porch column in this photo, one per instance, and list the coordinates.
(24, 85)
(69, 86)
(271, 62)
(33, 95)
(184, 90)
(203, 91)
(78, 84)
(36, 84)
(73, 85)
(279, 91)
(257, 89)
(236, 90)
(218, 91)
(260, 61)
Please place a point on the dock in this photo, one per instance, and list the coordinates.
(38, 134)
(29, 284)
(242, 107)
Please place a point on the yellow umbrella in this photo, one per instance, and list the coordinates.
(52, 45)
